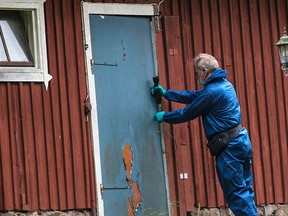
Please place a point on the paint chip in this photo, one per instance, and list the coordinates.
(136, 195)
(130, 210)
(128, 156)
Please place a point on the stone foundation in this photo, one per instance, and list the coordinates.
(48, 213)
(269, 210)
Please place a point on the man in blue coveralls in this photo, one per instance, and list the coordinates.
(218, 105)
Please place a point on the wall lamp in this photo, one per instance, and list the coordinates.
(283, 52)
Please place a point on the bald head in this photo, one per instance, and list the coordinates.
(206, 62)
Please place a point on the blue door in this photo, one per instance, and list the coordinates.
(130, 146)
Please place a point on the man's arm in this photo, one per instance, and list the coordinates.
(196, 108)
(185, 97)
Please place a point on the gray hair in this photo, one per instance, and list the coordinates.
(206, 62)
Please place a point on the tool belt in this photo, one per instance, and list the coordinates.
(220, 141)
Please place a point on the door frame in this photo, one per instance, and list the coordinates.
(113, 9)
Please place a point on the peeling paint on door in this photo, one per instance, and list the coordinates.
(128, 157)
(130, 210)
(136, 195)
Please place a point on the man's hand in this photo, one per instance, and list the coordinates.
(159, 116)
(159, 88)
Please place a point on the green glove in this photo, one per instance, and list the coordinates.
(158, 87)
(159, 116)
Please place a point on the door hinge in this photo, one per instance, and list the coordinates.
(102, 188)
(93, 62)
(106, 63)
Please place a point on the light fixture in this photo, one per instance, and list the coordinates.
(283, 52)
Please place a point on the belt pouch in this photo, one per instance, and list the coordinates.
(218, 143)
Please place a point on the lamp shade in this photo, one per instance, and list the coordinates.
(283, 50)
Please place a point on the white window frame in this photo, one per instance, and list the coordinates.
(39, 72)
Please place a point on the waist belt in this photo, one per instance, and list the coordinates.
(221, 140)
(233, 132)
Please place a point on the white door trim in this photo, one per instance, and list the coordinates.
(119, 9)
(111, 9)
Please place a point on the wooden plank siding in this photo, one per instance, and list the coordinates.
(46, 148)
(241, 35)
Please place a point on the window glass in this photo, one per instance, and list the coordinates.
(14, 38)
(2, 52)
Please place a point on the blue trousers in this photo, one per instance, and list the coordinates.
(235, 177)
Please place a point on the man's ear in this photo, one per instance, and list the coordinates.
(206, 72)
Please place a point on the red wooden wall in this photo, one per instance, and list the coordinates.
(46, 152)
(241, 35)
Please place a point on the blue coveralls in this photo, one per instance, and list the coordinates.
(218, 105)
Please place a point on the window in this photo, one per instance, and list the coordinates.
(23, 56)
(14, 46)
